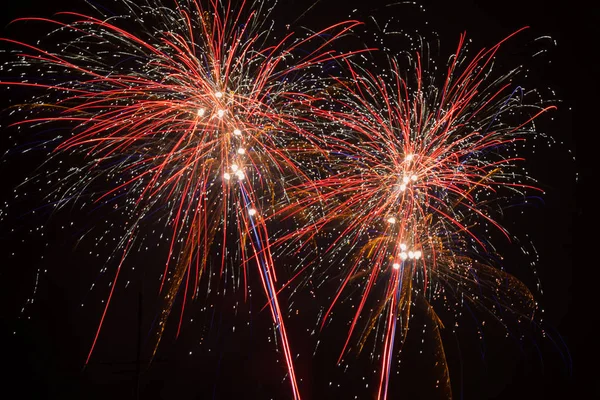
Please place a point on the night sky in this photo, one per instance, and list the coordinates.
(44, 348)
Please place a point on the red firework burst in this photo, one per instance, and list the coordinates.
(194, 112)
(415, 172)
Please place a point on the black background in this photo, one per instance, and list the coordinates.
(44, 348)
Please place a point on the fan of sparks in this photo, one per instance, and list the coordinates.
(192, 111)
(417, 170)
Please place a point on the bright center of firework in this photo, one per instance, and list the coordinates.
(237, 132)
(201, 112)
(406, 180)
(241, 151)
(409, 157)
(218, 95)
(252, 212)
(411, 254)
(391, 220)
(220, 113)
(236, 171)
(396, 266)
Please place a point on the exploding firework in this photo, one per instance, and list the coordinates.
(418, 170)
(199, 128)
(188, 117)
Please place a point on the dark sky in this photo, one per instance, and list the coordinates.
(44, 349)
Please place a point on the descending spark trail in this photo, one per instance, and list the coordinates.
(389, 341)
(265, 260)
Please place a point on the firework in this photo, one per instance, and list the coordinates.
(418, 169)
(187, 116)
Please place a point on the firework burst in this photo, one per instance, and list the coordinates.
(191, 113)
(201, 125)
(417, 171)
